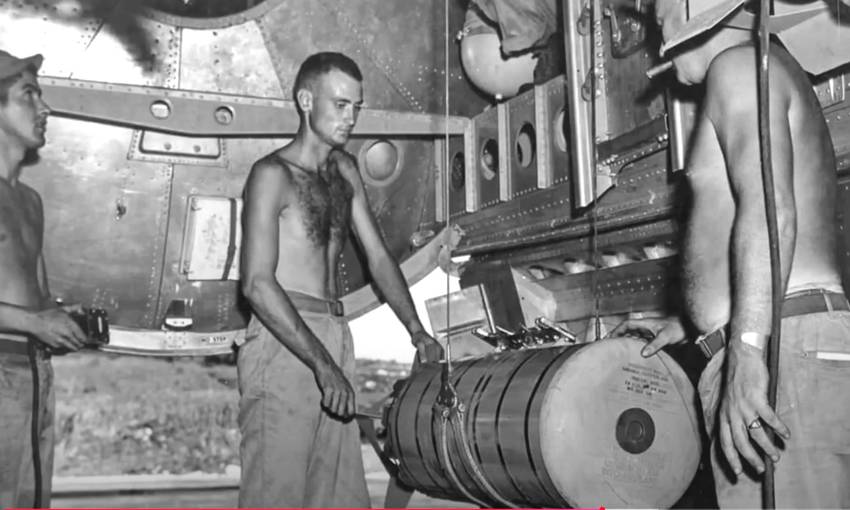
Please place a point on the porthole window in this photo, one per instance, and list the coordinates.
(526, 145)
(458, 175)
(201, 8)
(380, 160)
(560, 129)
(490, 159)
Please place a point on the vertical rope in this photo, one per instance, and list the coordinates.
(447, 371)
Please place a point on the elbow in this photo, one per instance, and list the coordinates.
(250, 286)
(786, 220)
(787, 228)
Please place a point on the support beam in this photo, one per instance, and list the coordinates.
(198, 113)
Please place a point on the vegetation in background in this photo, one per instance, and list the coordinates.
(139, 415)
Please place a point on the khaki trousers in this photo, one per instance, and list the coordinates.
(293, 453)
(17, 472)
(813, 400)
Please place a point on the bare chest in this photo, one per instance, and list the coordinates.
(323, 201)
(20, 227)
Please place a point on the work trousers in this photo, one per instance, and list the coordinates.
(813, 400)
(294, 454)
(17, 471)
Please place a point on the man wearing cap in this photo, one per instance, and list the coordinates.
(299, 445)
(726, 265)
(28, 319)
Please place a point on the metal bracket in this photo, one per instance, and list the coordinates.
(172, 343)
(628, 33)
(832, 91)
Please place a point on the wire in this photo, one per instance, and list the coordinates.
(768, 494)
(447, 367)
(35, 428)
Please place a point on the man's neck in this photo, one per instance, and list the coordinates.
(308, 151)
(11, 156)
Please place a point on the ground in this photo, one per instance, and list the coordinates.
(139, 415)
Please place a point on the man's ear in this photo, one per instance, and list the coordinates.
(305, 100)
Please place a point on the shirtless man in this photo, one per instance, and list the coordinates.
(299, 445)
(726, 269)
(26, 312)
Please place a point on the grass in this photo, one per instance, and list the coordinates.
(137, 415)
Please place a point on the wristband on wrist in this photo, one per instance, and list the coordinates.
(753, 339)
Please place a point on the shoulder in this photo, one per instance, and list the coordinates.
(30, 195)
(270, 171)
(732, 80)
(732, 74)
(268, 181)
(736, 70)
(29, 192)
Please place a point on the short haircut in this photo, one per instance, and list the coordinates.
(319, 64)
(6, 84)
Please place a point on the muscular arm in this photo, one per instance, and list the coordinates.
(263, 204)
(41, 275)
(51, 325)
(38, 318)
(383, 268)
(732, 107)
(18, 319)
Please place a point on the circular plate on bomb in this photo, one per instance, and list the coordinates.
(618, 429)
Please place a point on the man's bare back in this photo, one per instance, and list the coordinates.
(314, 220)
(21, 228)
(810, 159)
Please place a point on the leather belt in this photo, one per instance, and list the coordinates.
(14, 344)
(307, 303)
(799, 303)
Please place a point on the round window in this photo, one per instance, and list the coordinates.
(525, 145)
(380, 161)
(458, 176)
(201, 8)
(490, 159)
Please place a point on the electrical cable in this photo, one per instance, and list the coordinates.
(473, 465)
(446, 462)
(34, 421)
(768, 492)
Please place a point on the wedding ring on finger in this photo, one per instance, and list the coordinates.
(755, 424)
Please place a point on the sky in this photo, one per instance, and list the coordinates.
(379, 334)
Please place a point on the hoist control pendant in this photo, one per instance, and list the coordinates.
(588, 425)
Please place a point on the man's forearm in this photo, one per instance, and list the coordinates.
(269, 302)
(751, 303)
(392, 284)
(17, 319)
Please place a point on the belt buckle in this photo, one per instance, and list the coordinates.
(705, 342)
(336, 308)
(706, 350)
